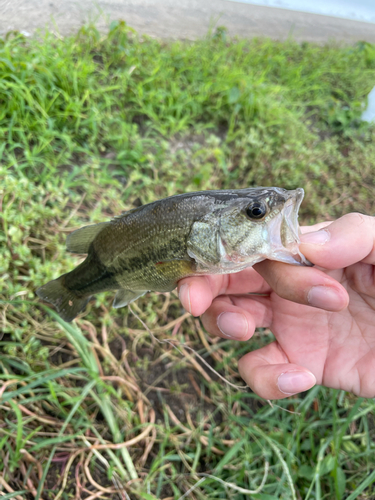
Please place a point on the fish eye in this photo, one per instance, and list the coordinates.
(256, 210)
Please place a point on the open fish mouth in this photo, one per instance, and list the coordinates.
(289, 228)
(286, 237)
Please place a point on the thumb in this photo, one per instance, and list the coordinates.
(269, 374)
(346, 241)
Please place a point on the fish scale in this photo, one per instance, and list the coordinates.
(151, 247)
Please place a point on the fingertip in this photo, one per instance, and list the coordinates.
(233, 325)
(295, 381)
(268, 373)
(184, 296)
(332, 298)
(344, 242)
(320, 237)
(278, 381)
(228, 321)
(195, 295)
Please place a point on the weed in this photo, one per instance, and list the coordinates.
(93, 124)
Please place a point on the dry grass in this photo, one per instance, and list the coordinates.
(92, 125)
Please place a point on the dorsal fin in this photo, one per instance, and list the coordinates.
(79, 241)
(125, 212)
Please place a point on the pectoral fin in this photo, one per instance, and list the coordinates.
(171, 271)
(124, 297)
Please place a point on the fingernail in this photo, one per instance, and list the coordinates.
(316, 237)
(184, 296)
(294, 382)
(232, 325)
(324, 297)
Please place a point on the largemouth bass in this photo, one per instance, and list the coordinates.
(151, 247)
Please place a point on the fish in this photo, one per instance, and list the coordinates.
(150, 248)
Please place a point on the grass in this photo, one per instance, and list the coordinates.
(94, 124)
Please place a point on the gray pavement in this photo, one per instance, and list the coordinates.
(180, 19)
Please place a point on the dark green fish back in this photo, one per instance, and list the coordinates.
(143, 249)
(138, 245)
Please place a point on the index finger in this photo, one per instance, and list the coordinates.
(197, 292)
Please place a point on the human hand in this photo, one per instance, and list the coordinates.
(330, 342)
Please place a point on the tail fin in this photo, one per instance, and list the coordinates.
(67, 303)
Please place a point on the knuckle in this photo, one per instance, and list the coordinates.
(208, 323)
(225, 284)
(272, 272)
(358, 219)
(278, 284)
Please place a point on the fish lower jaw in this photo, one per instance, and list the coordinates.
(289, 257)
(221, 270)
(227, 266)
